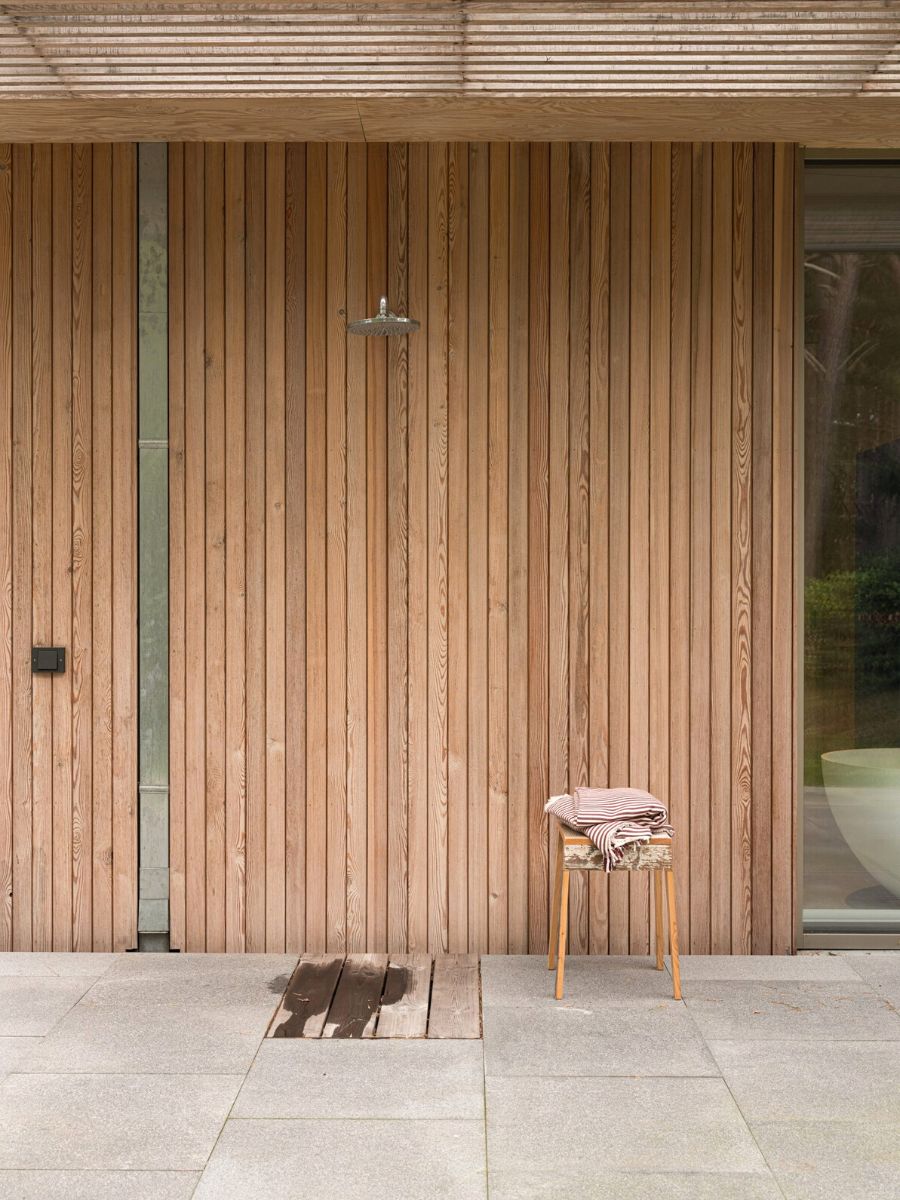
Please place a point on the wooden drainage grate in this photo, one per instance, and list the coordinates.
(381, 996)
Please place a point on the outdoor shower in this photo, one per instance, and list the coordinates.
(385, 324)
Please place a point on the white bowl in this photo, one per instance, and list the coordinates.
(863, 790)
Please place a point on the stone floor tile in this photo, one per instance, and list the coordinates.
(800, 968)
(293, 1077)
(347, 1160)
(60, 964)
(536, 1126)
(640, 1037)
(14, 1051)
(859, 1183)
(874, 966)
(200, 1018)
(813, 1081)
(206, 970)
(791, 1011)
(31, 1005)
(812, 1146)
(523, 980)
(112, 1122)
(579, 1181)
(98, 1185)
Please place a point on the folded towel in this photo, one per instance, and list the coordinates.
(612, 818)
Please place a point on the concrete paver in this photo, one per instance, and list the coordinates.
(147, 1077)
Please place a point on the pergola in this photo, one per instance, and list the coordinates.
(470, 69)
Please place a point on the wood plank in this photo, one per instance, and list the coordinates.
(255, 508)
(397, 560)
(101, 437)
(680, 532)
(761, 578)
(177, 533)
(404, 1005)
(275, 534)
(82, 549)
(579, 485)
(295, 545)
(784, 448)
(336, 548)
(498, 435)
(477, 549)
(235, 352)
(215, 541)
(660, 483)
(837, 121)
(61, 384)
(6, 549)
(742, 551)
(357, 617)
(42, 545)
(354, 1009)
(417, 556)
(639, 520)
(306, 1000)
(436, 332)
(316, 659)
(376, 479)
(538, 548)
(701, 333)
(124, 542)
(598, 516)
(557, 564)
(518, 728)
(457, 545)
(455, 997)
(720, 550)
(21, 551)
(579, 510)
(195, 550)
(618, 559)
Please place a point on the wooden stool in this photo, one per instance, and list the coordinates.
(575, 852)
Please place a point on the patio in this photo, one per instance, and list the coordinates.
(149, 1076)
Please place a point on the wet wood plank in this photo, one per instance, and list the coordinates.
(404, 1005)
(455, 1005)
(305, 1004)
(355, 1005)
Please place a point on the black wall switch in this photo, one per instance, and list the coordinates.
(48, 659)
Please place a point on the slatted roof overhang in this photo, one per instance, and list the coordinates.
(380, 69)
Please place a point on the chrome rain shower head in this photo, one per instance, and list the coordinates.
(386, 324)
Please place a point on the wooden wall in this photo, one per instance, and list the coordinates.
(68, 838)
(418, 585)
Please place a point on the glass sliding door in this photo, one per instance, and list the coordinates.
(851, 567)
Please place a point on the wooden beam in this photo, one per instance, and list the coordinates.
(863, 121)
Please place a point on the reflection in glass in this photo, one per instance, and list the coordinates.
(851, 765)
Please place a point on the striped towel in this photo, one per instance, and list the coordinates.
(612, 818)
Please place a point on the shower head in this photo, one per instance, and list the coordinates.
(386, 324)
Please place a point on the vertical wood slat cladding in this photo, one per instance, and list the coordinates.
(544, 542)
(68, 743)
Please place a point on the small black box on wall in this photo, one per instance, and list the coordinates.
(48, 659)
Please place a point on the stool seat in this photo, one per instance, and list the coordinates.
(576, 852)
(580, 853)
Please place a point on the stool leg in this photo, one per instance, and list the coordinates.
(554, 911)
(658, 907)
(673, 933)
(563, 931)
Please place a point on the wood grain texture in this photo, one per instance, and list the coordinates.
(507, 543)
(68, 743)
(353, 1010)
(404, 1004)
(455, 997)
